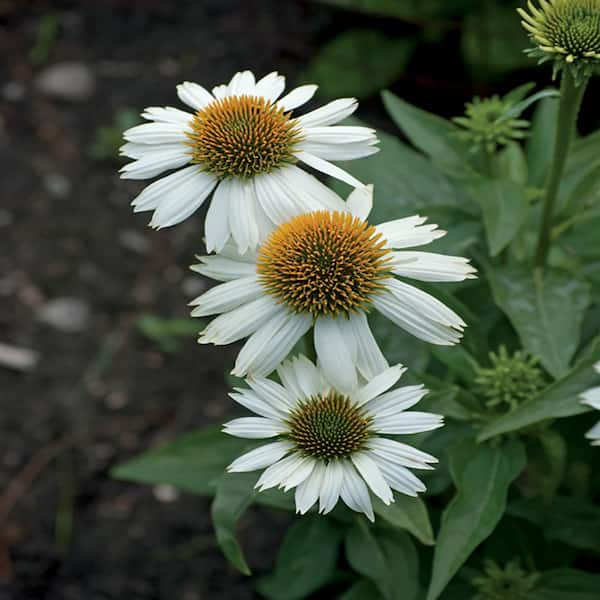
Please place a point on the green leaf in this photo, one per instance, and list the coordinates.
(359, 63)
(388, 558)
(306, 561)
(482, 475)
(559, 400)
(194, 462)
(407, 513)
(569, 520)
(235, 492)
(567, 584)
(541, 141)
(512, 164)
(405, 182)
(504, 209)
(433, 135)
(546, 309)
(167, 333)
(362, 590)
(547, 468)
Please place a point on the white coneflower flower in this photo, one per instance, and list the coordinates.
(328, 269)
(329, 444)
(592, 398)
(242, 142)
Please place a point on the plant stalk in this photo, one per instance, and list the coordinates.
(570, 103)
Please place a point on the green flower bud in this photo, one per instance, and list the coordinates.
(510, 583)
(511, 380)
(567, 32)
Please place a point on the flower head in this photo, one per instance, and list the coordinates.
(566, 31)
(592, 398)
(485, 127)
(331, 444)
(242, 143)
(328, 269)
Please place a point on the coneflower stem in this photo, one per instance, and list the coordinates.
(309, 346)
(570, 103)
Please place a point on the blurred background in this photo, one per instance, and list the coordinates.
(98, 359)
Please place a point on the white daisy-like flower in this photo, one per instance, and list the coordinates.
(592, 398)
(331, 444)
(327, 270)
(242, 142)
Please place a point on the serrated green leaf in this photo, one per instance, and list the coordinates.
(407, 513)
(234, 494)
(482, 475)
(306, 560)
(557, 401)
(546, 309)
(358, 63)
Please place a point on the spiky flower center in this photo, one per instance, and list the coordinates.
(568, 27)
(328, 427)
(242, 136)
(324, 263)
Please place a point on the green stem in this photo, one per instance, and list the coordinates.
(570, 103)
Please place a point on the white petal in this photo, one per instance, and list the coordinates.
(277, 474)
(242, 218)
(167, 114)
(369, 358)
(300, 474)
(415, 322)
(592, 397)
(273, 393)
(297, 97)
(194, 95)
(399, 478)
(220, 91)
(308, 491)
(240, 322)
(278, 206)
(339, 151)
(156, 163)
(227, 296)
(223, 269)
(260, 457)
(426, 266)
(398, 452)
(354, 492)
(370, 472)
(336, 358)
(266, 348)
(379, 384)
(242, 84)
(253, 402)
(254, 427)
(330, 113)
(407, 422)
(409, 232)
(271, 86)
(594, 434)
(309, 378)
(156, 133)
(328, 168)
(163, 189)
(340, 134)
(360, 201)
(331, 486)
(396, 401)
(216, 225)
(181, 203)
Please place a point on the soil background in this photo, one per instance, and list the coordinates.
(78, 268)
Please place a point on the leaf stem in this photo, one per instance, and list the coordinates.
(571, 96)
